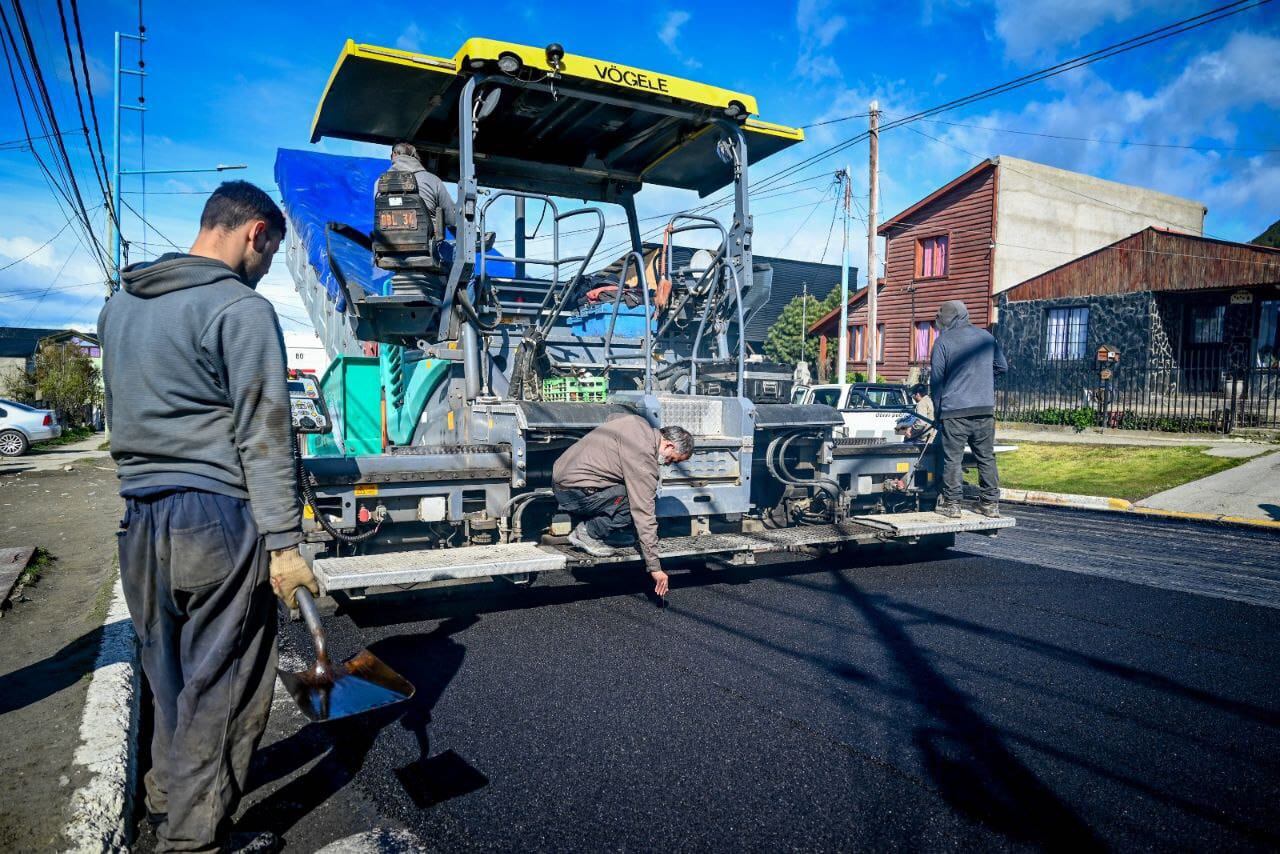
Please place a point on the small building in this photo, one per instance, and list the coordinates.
(1189, 316)
(1000, 223)
(18, 346)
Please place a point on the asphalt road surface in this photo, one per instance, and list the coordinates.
(1084, 681)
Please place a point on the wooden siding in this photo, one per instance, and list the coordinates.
(1155, 260)
(966, 213)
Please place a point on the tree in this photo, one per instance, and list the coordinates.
(782, 343)
(64, 380)
(1270, 237)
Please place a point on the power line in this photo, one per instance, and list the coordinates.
(25, 143)
(159, 233)
(835, 209)
(1058, 186)
(38, 248)
(93, 107)
(98, 172)
(1132, 43)
(52, 282)
(1104, 141)
(65, 184)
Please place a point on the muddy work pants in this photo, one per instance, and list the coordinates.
(979, 433)
(602, 511)
(194, 572)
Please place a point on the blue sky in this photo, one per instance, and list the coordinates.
(231, 83)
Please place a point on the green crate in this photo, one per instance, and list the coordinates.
(575, 390)
(593, 389)
(555, 389)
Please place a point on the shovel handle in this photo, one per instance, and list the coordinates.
(311, 616)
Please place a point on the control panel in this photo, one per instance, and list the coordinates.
(306, 404)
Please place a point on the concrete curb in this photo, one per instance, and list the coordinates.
(101, 808)
(1121, 505)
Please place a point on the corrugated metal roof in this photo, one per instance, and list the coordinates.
(789, 278)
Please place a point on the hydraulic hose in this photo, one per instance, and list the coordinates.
(309, 496)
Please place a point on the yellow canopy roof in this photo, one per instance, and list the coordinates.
(604, 125)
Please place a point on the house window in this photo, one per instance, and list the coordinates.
(1267, 351)
(922, 340)
(859, 342)
(1206, 323)
(1067, 333)
(931, 257)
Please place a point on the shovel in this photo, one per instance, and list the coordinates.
(327, 691)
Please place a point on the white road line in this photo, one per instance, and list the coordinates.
(100, 809)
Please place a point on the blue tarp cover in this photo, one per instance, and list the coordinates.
(321, 188)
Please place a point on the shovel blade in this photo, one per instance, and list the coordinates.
(362, 684)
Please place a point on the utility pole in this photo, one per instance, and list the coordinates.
(842, 350)
(872, 336)
(804, 316)
(116, 204)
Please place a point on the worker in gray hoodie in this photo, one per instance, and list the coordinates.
(435, 195)
(963, 366)
(197, 403)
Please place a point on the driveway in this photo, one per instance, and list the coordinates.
(1251, 490)
(52, 459)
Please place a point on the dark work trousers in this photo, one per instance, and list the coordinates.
(601, 512)
(979, 433)
(195, 575)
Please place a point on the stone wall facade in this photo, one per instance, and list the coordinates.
(1128, 322)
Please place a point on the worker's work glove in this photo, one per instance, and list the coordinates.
(660, 582)
(289, 572)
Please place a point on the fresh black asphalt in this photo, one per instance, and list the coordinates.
(983, 699)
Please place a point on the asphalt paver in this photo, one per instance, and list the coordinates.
(969, 700)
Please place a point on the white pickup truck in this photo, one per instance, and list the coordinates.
(871, 411)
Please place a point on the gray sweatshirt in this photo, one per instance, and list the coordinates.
(622, 450)
(196, 395)
(432, 190)
(964, 365)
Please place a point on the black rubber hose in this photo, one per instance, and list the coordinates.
(309, 496)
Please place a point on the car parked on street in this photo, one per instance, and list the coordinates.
(20, 425)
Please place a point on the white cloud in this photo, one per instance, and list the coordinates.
(411, 37)
(669, 35)
(1038, 29)
(670, 29)
(817, 28)
(1201, 107)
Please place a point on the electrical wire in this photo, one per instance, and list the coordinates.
(93, 108)
(64, 182)
(98, 171)
(1104, 141)
(146, 222)
(1142, 40)
(17, 261)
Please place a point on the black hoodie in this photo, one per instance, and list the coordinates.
(196, 395)
(963, 365)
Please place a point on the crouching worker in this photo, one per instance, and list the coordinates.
(609, 480)
(198, 406)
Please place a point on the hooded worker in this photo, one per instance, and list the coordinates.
(434, 194)
(197, 402)
(963, 366)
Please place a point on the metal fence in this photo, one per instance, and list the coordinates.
(1207, 391)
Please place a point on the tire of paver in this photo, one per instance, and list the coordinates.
(13, 443)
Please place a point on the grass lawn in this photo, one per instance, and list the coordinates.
(1116, 471)
(70, 435)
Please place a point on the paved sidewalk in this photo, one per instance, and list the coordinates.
(53, 459)
(1250, 490)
